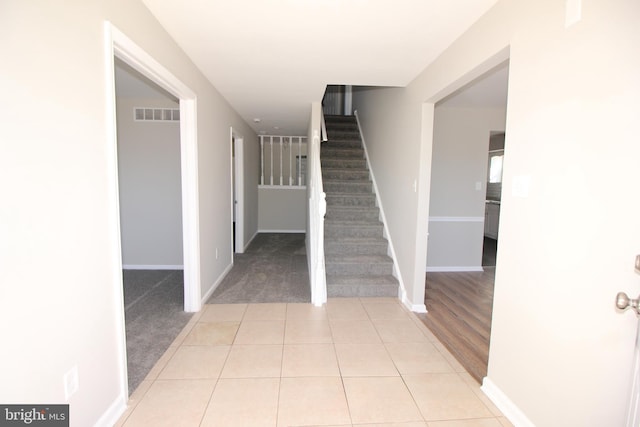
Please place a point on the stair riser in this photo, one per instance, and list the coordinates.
(333, 163)
(342, 153)
(331, 231)
(353, 269)
(348, 187)
(342, 143)
(346, 291)
(353, 249)
(368, 201)
(366, 214)
(341, 174)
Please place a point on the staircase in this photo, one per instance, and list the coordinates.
(356, 260)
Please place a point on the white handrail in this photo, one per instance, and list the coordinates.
(316, 212)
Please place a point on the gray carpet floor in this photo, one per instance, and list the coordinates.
(154, 316)
(272, 269)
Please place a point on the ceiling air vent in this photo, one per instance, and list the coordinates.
(141, 114)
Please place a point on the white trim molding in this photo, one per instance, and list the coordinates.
(113, 413)
(509, 409)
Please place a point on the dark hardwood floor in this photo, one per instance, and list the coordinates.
(459, 307)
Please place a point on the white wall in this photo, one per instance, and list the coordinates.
(282, 209)
(456, 209)
(60, 299)
(559, 352)
(149, 184)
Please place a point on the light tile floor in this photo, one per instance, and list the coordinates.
(355, 362)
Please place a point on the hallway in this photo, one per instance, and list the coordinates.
(353, 362)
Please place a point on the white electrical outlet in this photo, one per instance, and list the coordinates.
(478, 186)
(71, 383)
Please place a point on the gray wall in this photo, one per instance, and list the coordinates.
(282, 209)
(456, 210)
(150, 187)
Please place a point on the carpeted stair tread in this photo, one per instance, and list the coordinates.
(356, 253)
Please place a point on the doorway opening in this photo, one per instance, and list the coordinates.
(123, 50)
(459, 283)
(237, 192)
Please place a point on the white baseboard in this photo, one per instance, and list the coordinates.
(451, 269)
(210, 292)
(113, 413)
(249, 242)
(151, 267)
(506, 405)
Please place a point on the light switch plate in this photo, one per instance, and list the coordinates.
(637, 264)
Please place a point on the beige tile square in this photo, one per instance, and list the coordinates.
(445, 397)
(382, 309)
(346, 309)
(268, 311)
(172, 403)
(354, 331)
(450, 357)
(380, 400)
(243, 402)
(160, 364)
(307, 331)
(418, 358)
(309, 360)
(261, 332)
(477, 422)
(216, 333)
(305, 311)
(398, 330)
(365, 360)
(253, 361)
(223, 312)
(179, 339)
(192, 362)
(312, 401)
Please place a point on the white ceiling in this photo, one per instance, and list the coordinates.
(271, 58)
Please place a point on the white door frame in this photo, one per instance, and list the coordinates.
(237, 192)
(117, 44)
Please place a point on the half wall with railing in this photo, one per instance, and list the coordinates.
(316, 211)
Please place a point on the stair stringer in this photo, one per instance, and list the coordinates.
(402, 290)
